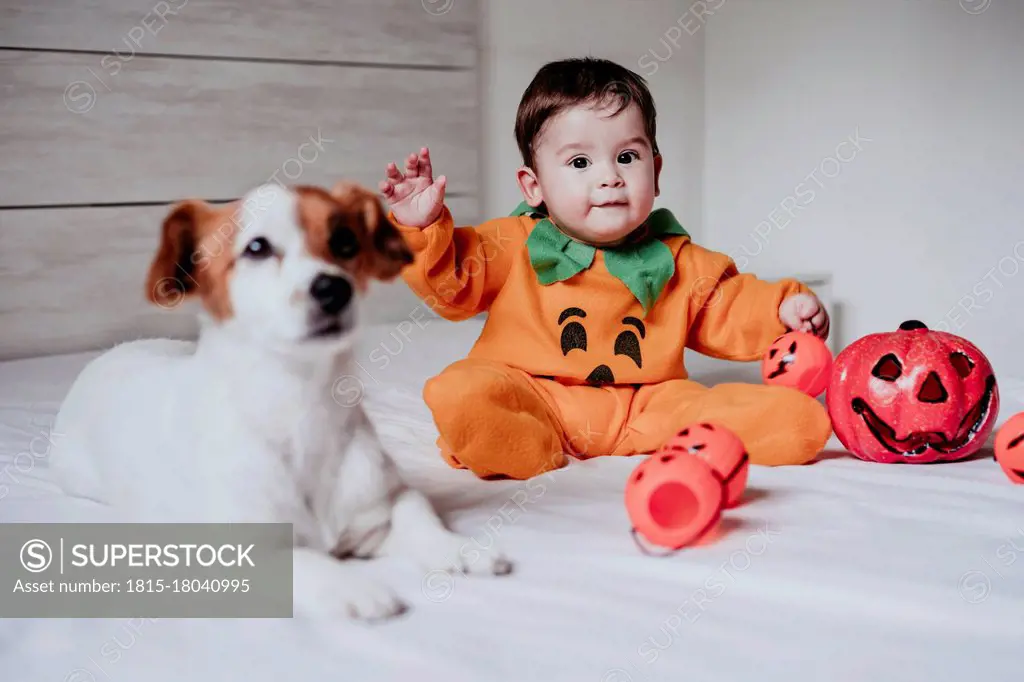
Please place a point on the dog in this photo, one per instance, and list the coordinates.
(242, 425)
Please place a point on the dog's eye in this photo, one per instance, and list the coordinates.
(344, 243)
(258, 248)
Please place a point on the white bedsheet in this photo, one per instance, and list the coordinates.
(840, 570)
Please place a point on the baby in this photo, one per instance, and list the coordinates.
(592, 297)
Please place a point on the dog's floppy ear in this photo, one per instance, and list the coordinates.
(387, 240)
(172, 274)
(386, 252)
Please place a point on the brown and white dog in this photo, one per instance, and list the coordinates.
(242, 426)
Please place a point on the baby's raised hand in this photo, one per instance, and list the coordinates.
(414, 197)
(805, 313)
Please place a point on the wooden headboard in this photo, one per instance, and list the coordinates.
(113, 109)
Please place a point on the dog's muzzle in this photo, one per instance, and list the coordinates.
(332, 295)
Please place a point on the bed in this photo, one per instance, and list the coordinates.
(839, 570)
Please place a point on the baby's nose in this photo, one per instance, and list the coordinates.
(612, 180)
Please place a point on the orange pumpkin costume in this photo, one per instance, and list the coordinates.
(525, 397)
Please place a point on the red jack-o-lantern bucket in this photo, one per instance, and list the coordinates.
(676, 496)
(913, 395)
(1009, 447)
(720, 448)
(798, 360)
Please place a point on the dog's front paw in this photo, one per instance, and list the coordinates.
(417, 533)
(371, 602)
(461, 555)
(325, 587)
(356, 599)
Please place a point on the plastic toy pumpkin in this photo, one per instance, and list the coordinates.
(1009, 448)
(674, 499)
(798, 360)
(913, 395)
(722, 450)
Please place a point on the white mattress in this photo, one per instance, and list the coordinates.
(866, 572)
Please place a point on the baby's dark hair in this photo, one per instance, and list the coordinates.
(570, 82)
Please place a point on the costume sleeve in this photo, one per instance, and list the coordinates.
(733, 315)
(457, 271)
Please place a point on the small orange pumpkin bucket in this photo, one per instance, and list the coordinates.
(676, 496)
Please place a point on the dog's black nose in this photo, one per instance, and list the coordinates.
(332, 293)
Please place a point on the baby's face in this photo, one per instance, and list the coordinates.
(596, 172)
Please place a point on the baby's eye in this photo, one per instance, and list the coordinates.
(580, 162)
(628, 157)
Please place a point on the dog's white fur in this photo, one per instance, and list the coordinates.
(246, 426)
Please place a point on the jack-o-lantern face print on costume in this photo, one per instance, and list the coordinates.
(627, 343)
(912, 395)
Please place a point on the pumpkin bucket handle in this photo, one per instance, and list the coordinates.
(636, 539)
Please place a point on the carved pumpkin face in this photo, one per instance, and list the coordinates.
(1010, 448)
(913, 395)
(798, 360)
(720, 448)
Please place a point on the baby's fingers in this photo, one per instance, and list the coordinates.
(806, 306)
(789, 318)
(426, 169)
(412, 166)
(819, 318)
(820, 324)
(393, 173)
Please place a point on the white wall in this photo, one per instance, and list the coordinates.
(114, 109)
(926, 219)
(519, 36)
